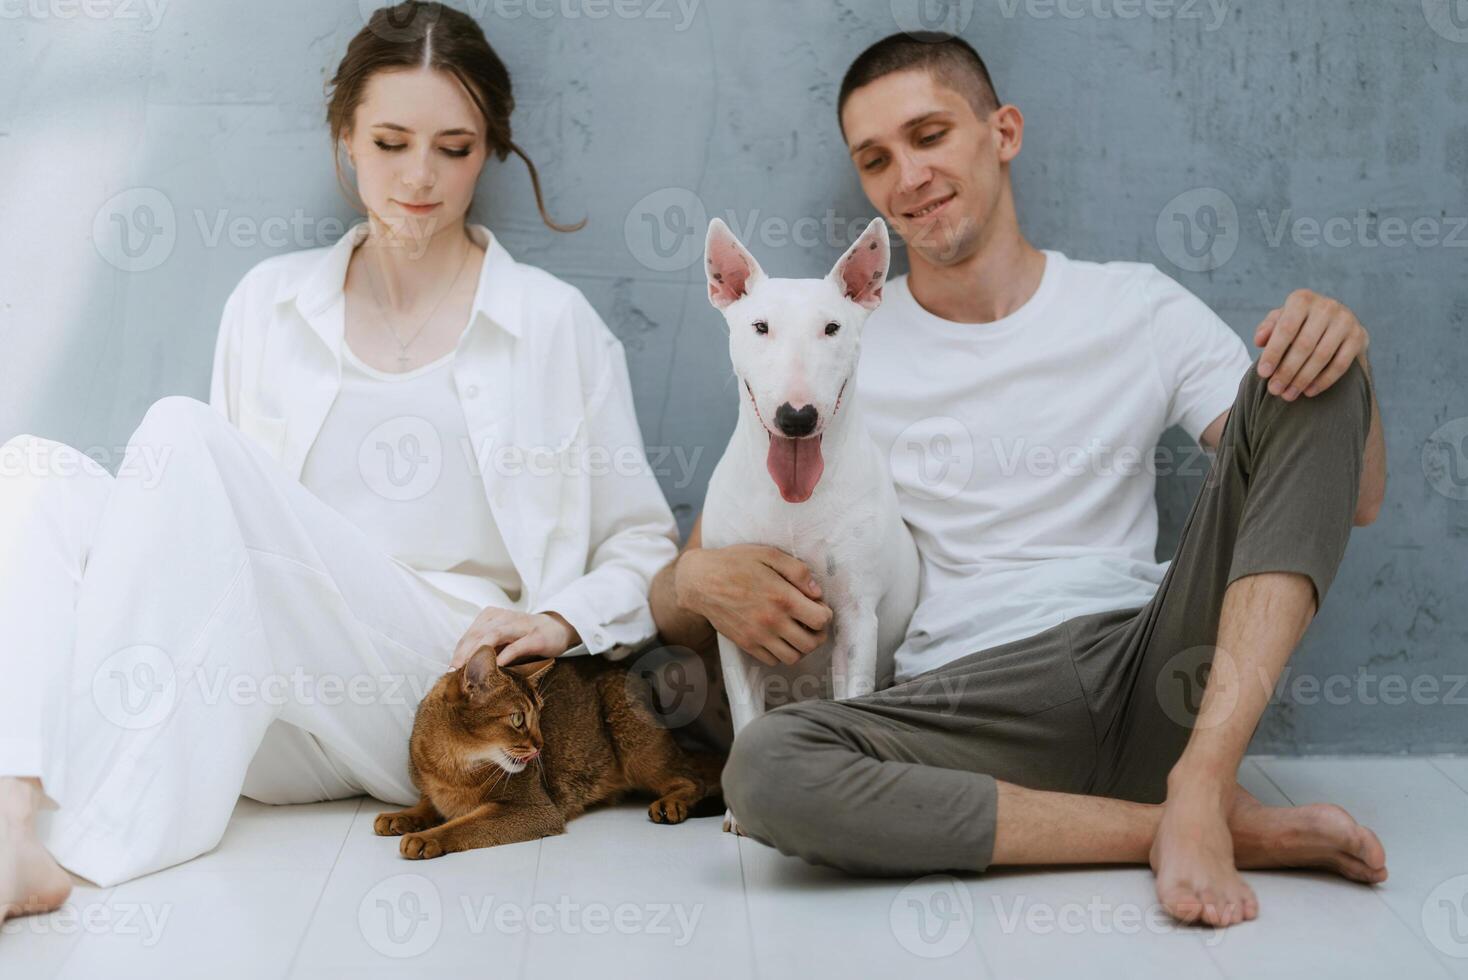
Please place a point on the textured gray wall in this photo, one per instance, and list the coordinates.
(1148, 120)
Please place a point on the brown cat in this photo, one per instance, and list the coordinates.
(501, 755)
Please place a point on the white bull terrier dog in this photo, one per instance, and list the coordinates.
(802, 474)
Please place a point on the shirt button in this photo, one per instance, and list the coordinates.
(472, 391)
(600, 638)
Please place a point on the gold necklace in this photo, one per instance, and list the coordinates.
(403, 357)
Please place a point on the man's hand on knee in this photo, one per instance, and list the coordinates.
(1309, 343)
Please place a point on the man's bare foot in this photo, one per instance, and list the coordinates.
(1193, 858)
(30, 879)
(1320, 835)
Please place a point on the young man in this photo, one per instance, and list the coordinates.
(1041, 713)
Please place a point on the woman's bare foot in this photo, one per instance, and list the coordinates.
(1320, 835)
(30, 879)
(1193, 858)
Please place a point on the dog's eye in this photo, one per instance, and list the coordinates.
(831, 328)
(761, 327)
(517, 719)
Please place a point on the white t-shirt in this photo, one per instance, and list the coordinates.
(1023, 449)
(392, 456)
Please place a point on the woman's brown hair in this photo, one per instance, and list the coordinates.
(412, 35)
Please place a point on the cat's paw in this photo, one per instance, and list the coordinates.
(418, 847)
(668, 810)
(396, 824)
(731, 825)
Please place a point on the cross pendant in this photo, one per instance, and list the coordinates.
(402, 362)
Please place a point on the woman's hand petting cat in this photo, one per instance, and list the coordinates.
(517, 635)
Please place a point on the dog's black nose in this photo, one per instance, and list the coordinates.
(796, 422)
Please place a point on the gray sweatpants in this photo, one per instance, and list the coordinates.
(902, 782)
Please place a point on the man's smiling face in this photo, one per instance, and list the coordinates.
(927, 162)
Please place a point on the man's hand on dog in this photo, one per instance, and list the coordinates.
(763, 600)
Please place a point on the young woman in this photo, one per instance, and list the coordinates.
(415, 445)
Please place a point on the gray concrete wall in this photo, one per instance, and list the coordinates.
(1327, 138)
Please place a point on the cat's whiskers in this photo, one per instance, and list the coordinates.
(494, 778)
(503, 777)
(541, 767)
(482, 771)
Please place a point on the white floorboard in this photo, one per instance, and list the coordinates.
(38, 945)
(310, 892)
(382, 915)
(1314, 923)
(217, 924)
(617, 890)
(1421, 816)
(814, 922)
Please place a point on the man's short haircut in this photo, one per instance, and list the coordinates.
(951, 59)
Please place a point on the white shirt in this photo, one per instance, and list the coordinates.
(1023, 449)
(547, 404)
(393, 456)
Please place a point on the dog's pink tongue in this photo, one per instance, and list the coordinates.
(796, 466)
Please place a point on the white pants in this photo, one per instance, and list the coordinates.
(198, 627)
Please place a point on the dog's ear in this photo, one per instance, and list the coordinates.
(732, 271)
(862, 271)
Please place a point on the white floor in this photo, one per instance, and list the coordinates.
(310, 892)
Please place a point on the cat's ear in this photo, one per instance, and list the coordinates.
(480, 668)
(531, 670)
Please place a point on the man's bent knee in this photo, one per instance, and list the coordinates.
(760, 772)
(781, 783)
(1351, 392)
